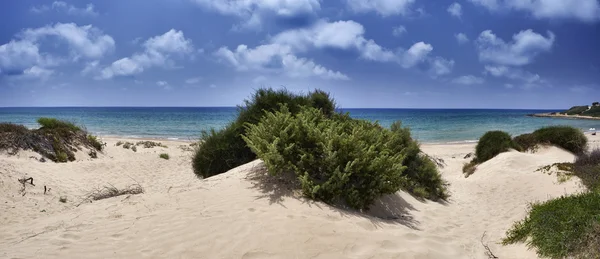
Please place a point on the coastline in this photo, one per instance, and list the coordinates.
(563, 116)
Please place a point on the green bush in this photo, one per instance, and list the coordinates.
(341, 159)
(587, 168)
(566, 137)
(164, 156)
(491, 144)
(594, 112)
(526, 142)
(12, 128)
(561, 228)
(225, 149)
(469, 168)
(52, 123)
(61, 157)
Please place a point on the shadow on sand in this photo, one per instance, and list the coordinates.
(390, 209)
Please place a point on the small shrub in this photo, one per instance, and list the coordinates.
(127, 145)
(134, 148)
(342, 160)
(491, 144)
(52, 123)
(164, 156)
(93, 140)
(93, 154)
(587, 168)
(469, 168)
(526, 142)
(560, 228)
(63, 199)
(111, 191)
(119, 143)
(566, 137)
(61, 157)
(150, 144)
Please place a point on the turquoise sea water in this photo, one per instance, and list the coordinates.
(427, 125)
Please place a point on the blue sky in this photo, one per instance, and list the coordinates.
(367, 53)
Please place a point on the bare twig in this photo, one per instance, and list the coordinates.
(111, 191)
(488, 251)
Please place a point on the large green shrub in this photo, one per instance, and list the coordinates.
(526, 142)
(341, 159)
(52, 123)
(576, 110)
(491, 144)
(566, 227)
(594, 112)
(225, 149)
(567, 137)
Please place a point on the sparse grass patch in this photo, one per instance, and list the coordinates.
(93, 140)
(150, 144)
(119, 143)
(587, 168)
(62, 157)
(52, 123)
(111, 191)
(562, 227)
(469, 168)
(134, 148)
(128, 145)
(164, 156)
(12, 128)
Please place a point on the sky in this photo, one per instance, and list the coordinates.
(538, 54)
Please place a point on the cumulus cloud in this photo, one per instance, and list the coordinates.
(523, 48)
(158, 51)
(468, 80)
(398, 31)
(86, 41)
(275, 58)
(253, 12)
(461, 38)
(440, 66)
(583, 10)
(164, 84)
(382, 7)
(349, 35)
(513, 73)
(455, 9)
(61, 6)
(24, 57)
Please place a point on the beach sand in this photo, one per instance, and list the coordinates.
(241, 215)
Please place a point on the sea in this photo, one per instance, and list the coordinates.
(186, 123)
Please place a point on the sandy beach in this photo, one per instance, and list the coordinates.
(240, 214)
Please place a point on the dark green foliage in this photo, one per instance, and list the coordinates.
(164, 156)
(594, 112)
(576, 110)
(587, 168)
(491, 144)
(52, 123)
(225, 149)
(566, 137)
(341, 159)
(561, 228)
(526, 142)
(12, 128)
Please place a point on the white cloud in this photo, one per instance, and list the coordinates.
(398, 31)
(36, 72)
(513, 73)
(16, 56)
(158, 51)
(164, 84)
(468, 80)
(455, 9)
(193, 80)
(461, 38)
(90, 67)
(415, 54)
(349, 35)
(382, 7)
(440, 66)
(86, 41)
(525, 46)
(253, 12)
(64, 7)
(583, 10)
(275, 58)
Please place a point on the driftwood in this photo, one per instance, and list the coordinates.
(488, 251)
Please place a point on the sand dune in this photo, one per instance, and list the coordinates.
(240, 214)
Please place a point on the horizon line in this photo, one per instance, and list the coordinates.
(339, 108)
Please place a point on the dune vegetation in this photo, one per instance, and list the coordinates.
(56, 140)
(336, 159)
